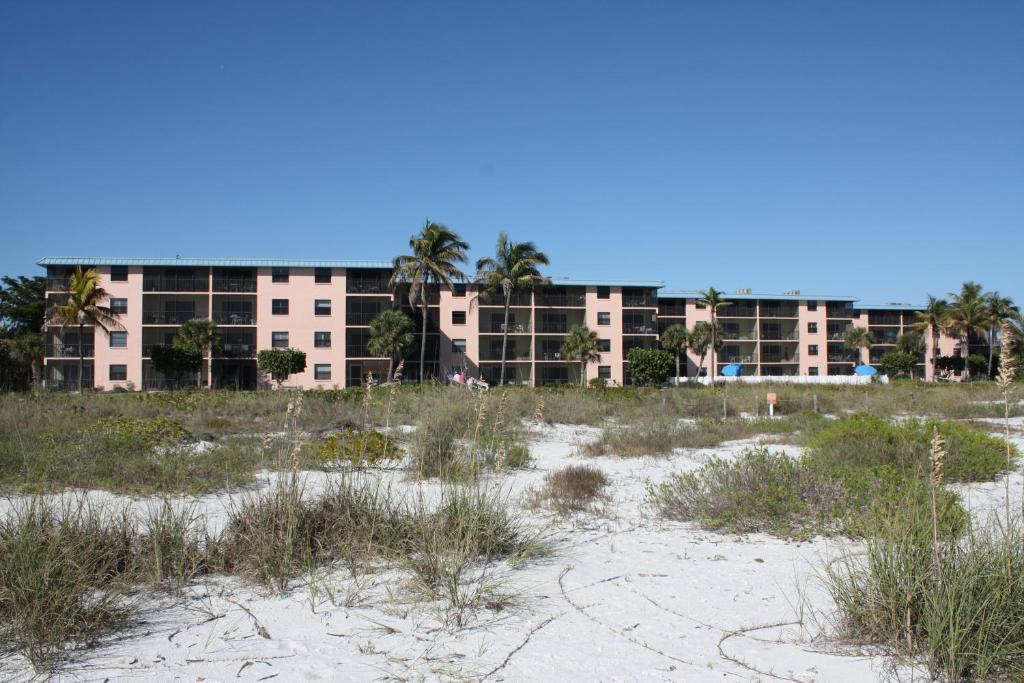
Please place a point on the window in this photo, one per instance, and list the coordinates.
(701, 306)
(812, 349)
(812, 306)
(279, 306)
(118, 340)
(459, 289)
(604, 345)
(279, 274)
(119, 306)
(812, 328)
(604, 292)
(322, 307)
(813, 372)
(322, 276)
(458, 345)
(604, 318)
(458, 317)
(604, 371)
(322, 372)
(119, 273)
(118, 373)
(322, 340)
(279, 340)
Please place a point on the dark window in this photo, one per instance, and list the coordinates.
(604, 292)
(279, 274)
(812, 350)
(279, 306)
(604, 345)
(118, 340)
(322, 371)
(604, 371)
(812, 328)
(279, 340)
(118, 373)
(322, 340)
(322, 307)
(458, 317)
(701, 306)
(812, 371)
(812, 306)
(459, 289)
(322, 275)
(119, 306)
(604, 318)
(458, 345)
(119, 273)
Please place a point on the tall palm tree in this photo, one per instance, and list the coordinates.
(198, 337)
(713, 299)
(675, 339)
(435, 252)
(83, 306)
(860, 338)
(1001, 310)
(700, 340)
(932, 320)
(968, 314)
(581, 345)
(514, 268)
(391, 333)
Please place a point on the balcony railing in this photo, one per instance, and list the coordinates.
(359, 352)
(639, 328)
(498, 327)
(168, 318)
(773, 358)
(364, 318)
(68, 350)
(743, 335)
(511, 354)
(499, 300)
(235, 351)
(638, 301)
(175, 284)
(551, 355)
(842, 358)
(67, 384)
(367, 286)
(738, 358)
(57, 284)
(780, 335)
(234, 318)
(737, 311)
(234, 284)
(778, 312)
(672, 310)
(564, 300)
(553, 328)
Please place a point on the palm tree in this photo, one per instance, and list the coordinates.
(513, 269)
(26, 349)
(860, 338)
(84, 307)
(435, 252)
(582, 345)
(199, 338)
(675, 338)
(700, 340)
(1000, 310)
(932, 320)
(713, 299)
(968, 314)
(391, 333)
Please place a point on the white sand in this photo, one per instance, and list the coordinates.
(623, 597)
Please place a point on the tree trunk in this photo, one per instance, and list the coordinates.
(967, 355)
(504, 340)
(700, 364)
(423, 341)
(677, 367)
(391, 368)
(711, 372)
(991, 344)
(583, 373)
(81, 358)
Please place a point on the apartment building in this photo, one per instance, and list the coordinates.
(324, 308)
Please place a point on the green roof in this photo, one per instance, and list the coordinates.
(215, 262)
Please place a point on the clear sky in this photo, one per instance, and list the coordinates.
(865, 148)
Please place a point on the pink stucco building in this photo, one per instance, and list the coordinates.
(324, 308)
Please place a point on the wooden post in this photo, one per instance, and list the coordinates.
(815, 403)
(773, 400)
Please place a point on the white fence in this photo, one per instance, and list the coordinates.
(785, 379)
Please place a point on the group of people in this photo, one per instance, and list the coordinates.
(460, 377)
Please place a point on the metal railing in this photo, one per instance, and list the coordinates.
(367, 287)
(639, 328)
(234, 318)
(361, 318)
(562, 300)
(638, 302)
(747, 335)
(235, 351)
(178, 318)
(68, 350)
(234, 284)
(175, 284)
(513, 328)
(735, 311)
(778, 312)
(55, 284)
(499, 300)
(552, 328)
(773, 335)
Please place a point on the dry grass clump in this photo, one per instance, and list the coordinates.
(574, 488)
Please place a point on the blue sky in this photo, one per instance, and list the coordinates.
(866, 148)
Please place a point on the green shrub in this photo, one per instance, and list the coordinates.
(759, 491)
(358, 447)
(649, 366)
(573, 488)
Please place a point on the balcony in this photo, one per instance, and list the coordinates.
(749, 358)
(739, 334)
(168, 318)
(355, 284)
(236, 351)
(360, 351)
(891, 319)
(57, 284)
(839, 357)
(523, 299)
(838, 334)
(639, 328)
(738, 310)
(226, 318)
(769, 310)
(562, 300)
(780, 358)
(498, 327)
(638, 301)
(234, 285)
(513, 353)
(166, 283)
(672, 309)
(552, 327)
(68, 350)
(839, 309)
(775, 334)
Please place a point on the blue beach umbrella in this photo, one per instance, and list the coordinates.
(732, 370)
(865, 371)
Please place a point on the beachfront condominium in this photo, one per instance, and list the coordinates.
(324, 308)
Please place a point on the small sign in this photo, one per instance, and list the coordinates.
(773, 398)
